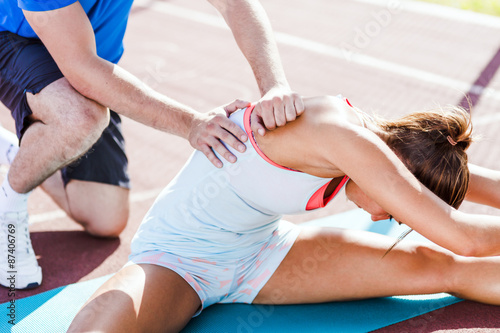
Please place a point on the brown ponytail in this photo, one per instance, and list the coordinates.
(432, 145)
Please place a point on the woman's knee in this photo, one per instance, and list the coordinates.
(111, 308)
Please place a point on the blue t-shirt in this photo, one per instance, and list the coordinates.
(108, 19)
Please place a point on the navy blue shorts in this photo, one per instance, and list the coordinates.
(26, 66)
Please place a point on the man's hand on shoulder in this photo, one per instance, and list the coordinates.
(209, 129)
(276, 108)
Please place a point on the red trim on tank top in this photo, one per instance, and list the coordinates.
(318, 199)
(248, 129)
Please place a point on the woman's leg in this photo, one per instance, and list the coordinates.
(329, 264)
(139, 298)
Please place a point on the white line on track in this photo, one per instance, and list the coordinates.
(440, 11)
(47, 216)
(332, 51)
(59, 213)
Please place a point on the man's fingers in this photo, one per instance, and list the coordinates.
(298, 103)
(257, 125)
(290, 113)
(267, 117)
(236, 105)
(205, 149)
(279, 111)
(208, 132)
(289, 106)
(230, 140)
(221, 150)
(228, 133)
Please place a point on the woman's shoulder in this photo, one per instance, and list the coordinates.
(298, 144)
(320, 111)
(317, 110)
(324, 101)
(331, 109)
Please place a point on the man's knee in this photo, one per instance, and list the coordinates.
(104, 224)
(102, 209)
(107, 228)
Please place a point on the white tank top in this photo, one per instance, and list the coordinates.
(229, 210)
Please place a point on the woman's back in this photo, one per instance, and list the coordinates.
(240, 203)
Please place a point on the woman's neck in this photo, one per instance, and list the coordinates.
(372, 125)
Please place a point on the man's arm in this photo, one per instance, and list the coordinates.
(253, 34)
(69, 37)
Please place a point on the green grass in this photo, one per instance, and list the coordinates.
(491, 7)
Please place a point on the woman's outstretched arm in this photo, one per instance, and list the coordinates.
(484, 186)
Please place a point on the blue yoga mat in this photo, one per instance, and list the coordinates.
(53, 311)
(356, 316)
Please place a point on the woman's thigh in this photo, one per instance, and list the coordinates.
(330, 264)
(139, 298)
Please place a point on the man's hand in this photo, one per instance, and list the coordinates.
(209, 129)
(277, 107)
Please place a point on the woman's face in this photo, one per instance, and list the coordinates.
(356, 195)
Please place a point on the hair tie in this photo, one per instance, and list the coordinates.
(453, 143)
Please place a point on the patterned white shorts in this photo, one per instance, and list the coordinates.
(223, 281)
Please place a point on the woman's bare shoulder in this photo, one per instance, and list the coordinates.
(319, 111)
(296, 145)
(330, 109)
(327, 105)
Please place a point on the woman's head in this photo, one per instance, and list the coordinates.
(432, 145)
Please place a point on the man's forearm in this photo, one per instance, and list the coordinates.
(114, 87)
(252, 30)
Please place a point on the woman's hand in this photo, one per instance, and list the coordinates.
(209, 129)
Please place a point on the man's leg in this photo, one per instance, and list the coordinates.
(46, 146)
(108, 201)
(102, 209)
(64, 125)
(94, 190)
(56, 125)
